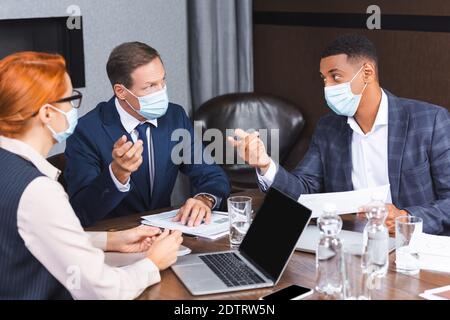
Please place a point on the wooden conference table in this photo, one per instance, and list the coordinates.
(301, 268)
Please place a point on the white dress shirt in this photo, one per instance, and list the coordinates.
(53, 234)
(130, 123)
(369, 153)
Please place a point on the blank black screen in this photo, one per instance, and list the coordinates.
(46, 35)
(274, 232)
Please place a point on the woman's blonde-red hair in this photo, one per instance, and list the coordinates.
(28, 80)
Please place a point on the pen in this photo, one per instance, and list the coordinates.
(185, 234)
(193, 236)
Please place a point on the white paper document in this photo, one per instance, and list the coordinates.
(434, 252)
(346, 202)
(442, 293)
(119, 259)
(218, 227)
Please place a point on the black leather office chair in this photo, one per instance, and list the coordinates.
(59, 161)
(251, 111)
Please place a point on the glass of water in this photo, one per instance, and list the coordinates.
(358, 282)
(408, 230)
(239, 212)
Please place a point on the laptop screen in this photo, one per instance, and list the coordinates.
(274, 232)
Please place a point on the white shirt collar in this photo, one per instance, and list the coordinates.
(27, 152)
(380, 120)
(128, 121)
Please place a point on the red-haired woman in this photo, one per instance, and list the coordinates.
(45, 253)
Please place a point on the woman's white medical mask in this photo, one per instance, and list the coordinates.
(72, 120)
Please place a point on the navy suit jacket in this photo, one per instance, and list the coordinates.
(418, 161)
(91, 189)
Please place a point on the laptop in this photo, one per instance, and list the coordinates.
(310, 238)
(261, 258)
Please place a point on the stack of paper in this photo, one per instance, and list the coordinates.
(346, 202)
(442, 293)
(217, 228)
(434, 252)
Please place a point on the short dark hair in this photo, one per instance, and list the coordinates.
(126, 58)
(355, 46)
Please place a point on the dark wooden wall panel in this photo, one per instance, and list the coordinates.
(286, 60)
(421, 7)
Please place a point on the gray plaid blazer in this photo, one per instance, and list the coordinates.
(418, 161)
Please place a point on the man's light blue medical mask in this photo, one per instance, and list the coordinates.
(72, 120)
(152, 106)
(341, 99)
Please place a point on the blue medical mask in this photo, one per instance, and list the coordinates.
(341, 99)
(152, 106)
(72, 120)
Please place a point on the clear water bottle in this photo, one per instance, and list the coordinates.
(329, 255)
(376, 239)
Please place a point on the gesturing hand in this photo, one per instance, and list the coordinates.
(127, 158)
(251, 149)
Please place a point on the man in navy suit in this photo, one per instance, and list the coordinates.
(119, 158)
(373, 138)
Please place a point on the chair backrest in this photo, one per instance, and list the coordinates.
(252, 111)
(59, 161)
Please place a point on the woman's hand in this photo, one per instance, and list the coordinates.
(164, 250)
(138, 239)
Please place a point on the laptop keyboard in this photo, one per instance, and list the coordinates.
(231, 269)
